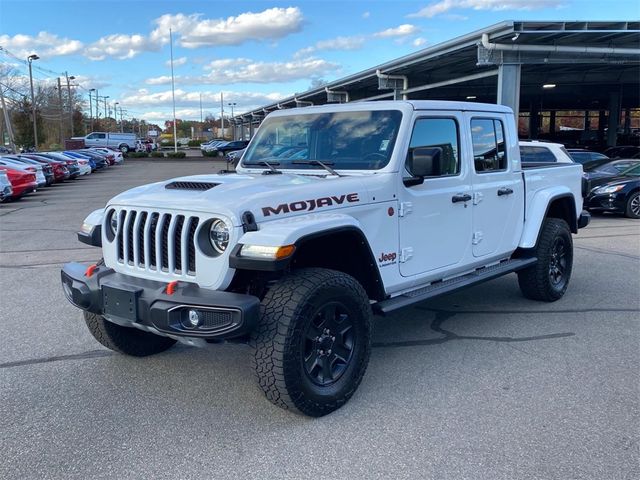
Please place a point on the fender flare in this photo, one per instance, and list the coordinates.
(298, 231)
(537, 214)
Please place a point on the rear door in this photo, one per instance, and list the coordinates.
(498, 193)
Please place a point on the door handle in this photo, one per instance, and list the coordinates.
(504, 191)
(461, 198)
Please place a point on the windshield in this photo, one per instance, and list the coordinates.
(616, 168)
(344, 140)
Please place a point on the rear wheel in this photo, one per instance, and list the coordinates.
(129, 341)
(312, 345)
(548, 279)
(633, 206)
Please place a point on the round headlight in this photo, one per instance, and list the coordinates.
(219, 235)
(113, 223)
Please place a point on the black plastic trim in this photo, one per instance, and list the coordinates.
(154, 307)
(585, 219)
(93, 238)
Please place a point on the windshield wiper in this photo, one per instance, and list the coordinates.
(265, 164)
(318, 163)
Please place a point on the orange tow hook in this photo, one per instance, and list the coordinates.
(171, 287)
(90, 270)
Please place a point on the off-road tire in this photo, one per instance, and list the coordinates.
(536, 282)
(129, 341)
(289, 309)
(632, 204)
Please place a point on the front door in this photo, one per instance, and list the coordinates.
(435, 225)
(498, 193)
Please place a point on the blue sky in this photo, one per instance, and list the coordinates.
(254, 51)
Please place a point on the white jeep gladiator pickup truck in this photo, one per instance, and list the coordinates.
(335, 213)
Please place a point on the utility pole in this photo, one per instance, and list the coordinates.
(173, 94)
(30, 59)
(97, 110)
(105, 112)
(61, 112)
(70, 100)
(7, 121)
(91, 107)
(222, 113)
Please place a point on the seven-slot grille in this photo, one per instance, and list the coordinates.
(157, 241)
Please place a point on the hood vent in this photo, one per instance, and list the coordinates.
(201, 186)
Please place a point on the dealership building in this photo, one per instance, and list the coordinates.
(575, 82)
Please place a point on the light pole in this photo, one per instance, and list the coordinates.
(115, 113)
(30, 59)
(91, 107)
(70, 100)
(232, 104)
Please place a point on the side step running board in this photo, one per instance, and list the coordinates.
(440, 288)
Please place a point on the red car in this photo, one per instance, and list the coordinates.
(21, 182)
(60, 170)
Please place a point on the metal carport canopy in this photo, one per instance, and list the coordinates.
(554, 47)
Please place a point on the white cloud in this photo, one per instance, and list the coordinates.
(44, 44)
(177, 62)
(339, 43)
(120, 46)
(156, 107)
(366, 14)
(244, 70)
(418, 42)
(399, 31)
(90, 81)
(195, 31)
(442, 6)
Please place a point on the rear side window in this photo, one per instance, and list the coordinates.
(536, 154)
(440, 133)
(489, 151)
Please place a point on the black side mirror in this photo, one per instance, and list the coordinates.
(423, 162)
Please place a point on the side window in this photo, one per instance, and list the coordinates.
(441, 134)
(536, 154)
(101, 135)
(489, 150)
(92, 136)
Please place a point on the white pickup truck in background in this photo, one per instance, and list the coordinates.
(335, 213)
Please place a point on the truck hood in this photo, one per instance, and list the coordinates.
(268, 197)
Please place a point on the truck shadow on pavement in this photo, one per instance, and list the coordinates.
(441, 316)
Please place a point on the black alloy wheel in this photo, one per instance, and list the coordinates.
(329, 342)
(558, 263)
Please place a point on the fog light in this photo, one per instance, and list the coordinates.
(194, 318)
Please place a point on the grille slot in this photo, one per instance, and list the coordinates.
(157, 241)
(202, 186)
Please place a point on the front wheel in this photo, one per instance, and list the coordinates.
(129, 341)
(312, 346)
(124, 148)
(548, 279)
(633, 206)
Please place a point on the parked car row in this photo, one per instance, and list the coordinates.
(21, 174)
(223, 147)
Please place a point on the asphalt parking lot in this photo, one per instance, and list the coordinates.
(482, 384)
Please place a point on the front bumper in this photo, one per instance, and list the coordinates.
(608, 202)
(145, 304)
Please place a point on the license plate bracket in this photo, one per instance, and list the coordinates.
(120, 302)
